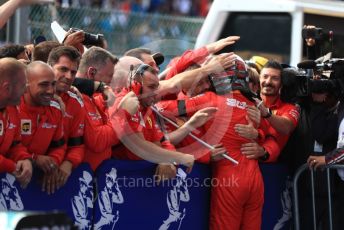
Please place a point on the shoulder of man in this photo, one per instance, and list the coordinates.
(76, 98)
(55, 104)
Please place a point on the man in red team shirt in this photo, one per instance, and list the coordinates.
(140, 134)
(237, 198)
(14, 157)
(65, 60)
(42, 121)
(281, 118)
(142, 125)
(97, 64)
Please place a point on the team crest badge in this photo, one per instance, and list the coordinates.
(25, 125)
(1, 128)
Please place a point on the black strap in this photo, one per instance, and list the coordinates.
(163, 139)
(75, 141)
(181, 108)
(56, 144)
(14, 143)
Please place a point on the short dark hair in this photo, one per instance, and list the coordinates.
(137, 52)
(273, 65)
(68, 51)
(42, 50)
(11, 50)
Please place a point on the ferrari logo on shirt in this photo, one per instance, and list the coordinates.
(1, 128)
(150, 122)
(25, 125)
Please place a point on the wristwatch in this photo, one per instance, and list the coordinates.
(269, 114)
(265, 157)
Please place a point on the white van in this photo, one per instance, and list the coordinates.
(272, 28)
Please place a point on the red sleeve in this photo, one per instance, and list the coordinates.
(75, 152)
(272, 147)
(188, 106)
(58, 153)
(291, 112)
(123, 122)
(99, 134)
(188, 58)
(6, 165)
(17, 151)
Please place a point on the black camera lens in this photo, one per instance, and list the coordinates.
(93, 39)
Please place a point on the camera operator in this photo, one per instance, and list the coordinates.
(317, 131)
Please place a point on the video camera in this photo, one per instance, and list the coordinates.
(331, 73)
(91, 39)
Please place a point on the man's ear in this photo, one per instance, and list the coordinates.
(91, 72)
(6, 86)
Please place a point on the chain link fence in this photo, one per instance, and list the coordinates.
(168, 34)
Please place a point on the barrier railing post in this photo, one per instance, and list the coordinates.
(299, 171)
(296, 197)
(313, 201)
(329, 199)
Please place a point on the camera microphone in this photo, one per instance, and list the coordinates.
(308, 64)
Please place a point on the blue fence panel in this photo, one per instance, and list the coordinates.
(129, 198)
(277, 210)
(75, 198)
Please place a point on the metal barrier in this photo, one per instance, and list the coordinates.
(300, 170)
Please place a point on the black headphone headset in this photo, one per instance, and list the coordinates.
(134, 84)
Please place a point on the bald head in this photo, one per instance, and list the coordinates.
(12, 81)
(36, 67)
(41, 87)
(122, 69)
(9, 69)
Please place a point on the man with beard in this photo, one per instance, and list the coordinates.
(41, 120)
(65, 60)
(280, 116)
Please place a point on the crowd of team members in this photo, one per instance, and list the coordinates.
(116, 107)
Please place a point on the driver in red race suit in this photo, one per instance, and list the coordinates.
(237, 194)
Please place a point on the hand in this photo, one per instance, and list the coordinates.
(316, 161)
(262, 108)
(222, 43)
(252, 150)
(75, 90)
(50, 182)
(200, 118)
(108, 96)
(75, 39)
(165, 172)
(253, 114)
(130, 103)
(23, 173)
(187, 160)
(63, 173)
(61, 103)
(220, 62)
(46, 163)
(217, 153)
(246, 131)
